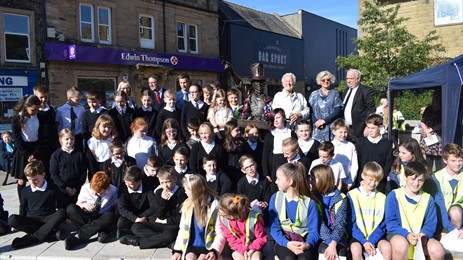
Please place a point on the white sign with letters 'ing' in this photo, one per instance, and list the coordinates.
(13, 81)
(10, 94)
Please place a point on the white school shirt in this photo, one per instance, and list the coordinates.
(141, 149)
(336, 166)
(346, 154)
(101, 148)
(30, 130)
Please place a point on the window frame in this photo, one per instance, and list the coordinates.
(144, 43)
(92, 23)
(28, 50)
(184, 38)
(193, 38)
(109, 41)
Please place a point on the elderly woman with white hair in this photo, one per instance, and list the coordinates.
(294, 104)
(127, 88)
(326, 105)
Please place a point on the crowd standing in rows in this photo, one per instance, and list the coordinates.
(178, 172)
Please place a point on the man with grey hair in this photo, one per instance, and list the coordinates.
(358, 104)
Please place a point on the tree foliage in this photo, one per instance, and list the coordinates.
(388, 49)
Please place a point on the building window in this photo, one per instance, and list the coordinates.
(106, 86)
(187, 38)
(341, 50)
(104, 24)
(86, 23)
(17, 38)
(193, 38)
(147, 31)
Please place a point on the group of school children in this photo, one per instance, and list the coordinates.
(219, 188)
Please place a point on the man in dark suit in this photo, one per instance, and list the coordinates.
(358, 103)
(154, 84)
(182, 95)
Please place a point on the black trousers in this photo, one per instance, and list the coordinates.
(39, 228)
(155, 235)
(284, 253)
(89, 224)
(124, 223)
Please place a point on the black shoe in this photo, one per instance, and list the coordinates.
(129, 240)
(25, 241)
(103, 235)
(71, 241)
(122, 232)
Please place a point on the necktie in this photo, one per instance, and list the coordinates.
(253, 182)
(348, 96)
(158, 97)
(97, 204)
(73, 119)
(185, 96)
(197, 105)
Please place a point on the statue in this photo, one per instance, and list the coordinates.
(256, 104)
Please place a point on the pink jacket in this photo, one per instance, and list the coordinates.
(239, 227)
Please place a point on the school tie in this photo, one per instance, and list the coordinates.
(347, 98)
(158, 97)
(197, 105)
(97, 204)
(73, 119)
(253, 182)
(185, 96)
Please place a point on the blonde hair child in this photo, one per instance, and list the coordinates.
(236, 218)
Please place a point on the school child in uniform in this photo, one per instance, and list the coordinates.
(48, 133)
(233, 149)
(116, 166)
(345, 152)
(147, 112)
(180, 158)
(326, 154)
(169, 111)
(140, 146)
(273, 149)
(200, 235)
(334, 212)
(219, 113)
(308, 147)
(293, 215)
(253, 184)
(170, 140)
(153, 164)
(374, 148)
(217, 180)
(6, 153)
(98, 152)
(253, 144)
(207, 146)
(411, 215)
(193, 126)
(68, 167)
(232, 98)
(135, 203)
(243, 228)
(366, 221)
(122, 115)
(38, 214)
(196, 108)
(94, 211)
(25, 129)
(70, 114)
(409, 150)
(95, 110)
(162, 226)
(291, 153)
(447, 189)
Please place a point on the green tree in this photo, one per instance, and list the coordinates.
(387, 49)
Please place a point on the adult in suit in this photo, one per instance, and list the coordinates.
(182, 96)
(155, 86)
(358, 101)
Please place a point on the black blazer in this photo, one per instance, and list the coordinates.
(155, 104)
(363, 105)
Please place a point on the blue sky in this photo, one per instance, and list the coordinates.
(341, 11)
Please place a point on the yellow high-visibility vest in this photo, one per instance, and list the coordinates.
(369, 210)
(451, 196)
(251, 221)
(302, 212)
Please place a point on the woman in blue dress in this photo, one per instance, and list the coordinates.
(326, 105)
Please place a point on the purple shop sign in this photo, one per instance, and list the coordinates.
(90, 54)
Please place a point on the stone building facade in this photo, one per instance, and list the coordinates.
(22, 40)
(99, 43)
(428, 15)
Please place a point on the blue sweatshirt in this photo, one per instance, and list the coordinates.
(394, 223)
(333, 224)
(291, 207)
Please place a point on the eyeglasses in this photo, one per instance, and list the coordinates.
(325, 80)
(247, 168)
(171, 132)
